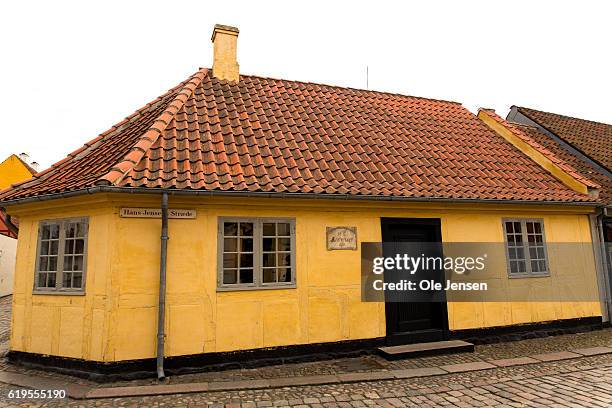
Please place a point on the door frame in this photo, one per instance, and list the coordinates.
(443, 316)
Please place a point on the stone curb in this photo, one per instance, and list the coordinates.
(76, 391)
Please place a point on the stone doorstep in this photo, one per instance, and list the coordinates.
(77, 391)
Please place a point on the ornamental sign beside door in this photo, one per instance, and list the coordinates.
(339, 238)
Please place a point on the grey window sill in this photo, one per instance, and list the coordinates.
(529, 275)
(249, 288)
(59, 292)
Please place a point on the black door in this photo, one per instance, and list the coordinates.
(414, 322)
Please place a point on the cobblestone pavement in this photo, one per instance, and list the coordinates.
(583, 382)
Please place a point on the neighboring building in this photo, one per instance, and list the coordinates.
(12, 170)
(587, 146)
(265, 167)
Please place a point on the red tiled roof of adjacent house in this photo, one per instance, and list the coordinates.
(278, 136)
(585, 168)
(526, 136)
(594, 139)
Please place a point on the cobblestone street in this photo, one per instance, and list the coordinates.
(576, 382)
(585, 382)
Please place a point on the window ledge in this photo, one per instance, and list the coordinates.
(529, 275)
(59, 292)
(250, 288)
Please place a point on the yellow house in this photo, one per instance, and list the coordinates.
(263, 191)
(12, 170)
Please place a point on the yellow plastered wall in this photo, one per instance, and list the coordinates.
(117, 318)
(12, 171)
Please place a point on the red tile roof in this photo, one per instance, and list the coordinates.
(526, 136)
(594, 139)
(585, 168)
(277, 136)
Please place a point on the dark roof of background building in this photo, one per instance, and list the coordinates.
(593, 139)
(279, 136)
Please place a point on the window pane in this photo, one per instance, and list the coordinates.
(230, 229)
(246, 229)
(81, 227)
(284, 244)
(71, 230)
(50, 280)
(53, 247)
(284, 275)
(42, 280)
(269, 275)
(269, 229)
(52, 265)
(513, 266)
(543, 267)
(230, 260)
(538, 227)
(43, 263)
(512, 253)
(67, 263)
(509, 228)
(44, 247)
(284, 259)
(69, 246)
(79, 246)
(54, 231)
(77, 280)
(517, 227)
(230, 245)
(530, 227)
(269, 260)
(77, 263)
(230, 276)
(46, 232)
(246, 245)
(282, 229)
(246, 260)
(269, 244)
(535, 266)
(67, 280)
(246, 276)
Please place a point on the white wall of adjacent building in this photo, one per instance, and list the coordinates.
(8, 249)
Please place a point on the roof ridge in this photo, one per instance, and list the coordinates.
(352, 89)
(563, 116)
(148, 138)
(562, 164)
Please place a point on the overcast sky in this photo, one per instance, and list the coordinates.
(71, 69)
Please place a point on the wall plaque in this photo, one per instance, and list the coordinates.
(339, 238)
(128, 212)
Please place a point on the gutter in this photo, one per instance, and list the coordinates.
(607, 268)
(217, 193)
(161, 317)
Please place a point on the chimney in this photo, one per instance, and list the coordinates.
(24, 157)
(35, 166)
(225, 64)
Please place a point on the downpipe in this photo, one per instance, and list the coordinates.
(162, 288)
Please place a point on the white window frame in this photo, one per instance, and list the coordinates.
(527, 256)
(258, 283)
(59, 289)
